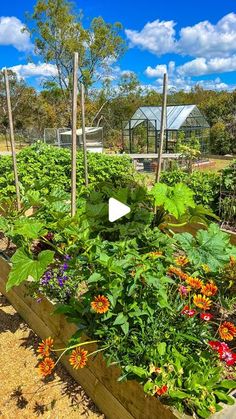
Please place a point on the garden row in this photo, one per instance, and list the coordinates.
(160, 306)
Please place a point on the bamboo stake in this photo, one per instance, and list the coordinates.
(12, 140)
(74, 135)
(84, 136)
(162, 127)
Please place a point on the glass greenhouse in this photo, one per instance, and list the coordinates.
(141, 134)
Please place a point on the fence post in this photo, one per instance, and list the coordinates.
(74, 134)
(162, 127)
(12, 139)
(84, 135)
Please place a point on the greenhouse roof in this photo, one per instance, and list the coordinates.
(176, 117)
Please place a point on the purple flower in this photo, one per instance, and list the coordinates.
(67, 257)
(65, 278)
(39, 300)
(60, 282)
(65, 266)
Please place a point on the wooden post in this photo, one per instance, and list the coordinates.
(12, 139)
(84, 136)
(74, 134)
(162, 127)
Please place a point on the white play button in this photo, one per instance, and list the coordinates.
(117, 210)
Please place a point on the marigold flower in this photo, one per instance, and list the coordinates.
(206, 316)
(227, 331)
(78, 358)
(161, 390)
(181, 260)
(195, 283)
(202, 302)
(209, 289)
(100, 304)
(46, 366)
(45, 347)
(188, 311)
(177, 272)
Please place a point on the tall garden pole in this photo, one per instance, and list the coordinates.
(84, 135)
(162, 127)
(12, 140)
(74, 134)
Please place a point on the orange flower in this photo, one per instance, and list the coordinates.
(209, 289)
(78, 358)
(161, 390)
(46, 366)
(181, 260)
(177, 272)
(100, 304)
(202, 302)
(195, 283)
(45, 347)
(232, 261)
(227, 331)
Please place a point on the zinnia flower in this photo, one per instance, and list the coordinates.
(45, 347)
(209, 289)
(227, 331)
(228, 356)
(78, 358)
(177, 272)
(181, 260)
(206, 316)
(100, 304)
(188, 311)
(46, 366)
(215, 345)
(202, 302)
(195, 283)
(161, 390)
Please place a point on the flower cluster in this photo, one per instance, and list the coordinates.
(224, 352)
(77, 359)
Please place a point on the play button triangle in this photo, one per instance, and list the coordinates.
(117, 209)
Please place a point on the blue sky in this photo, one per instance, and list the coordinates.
(195, 41)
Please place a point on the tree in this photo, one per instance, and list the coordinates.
(220, 138)
(58, 32)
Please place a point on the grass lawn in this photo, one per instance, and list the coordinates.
(219, 164)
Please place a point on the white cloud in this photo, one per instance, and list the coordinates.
(157, 37)
(11, 34)
(207, 40)
(201, 66)
(158, 71)
(201, 40)
(33, 70)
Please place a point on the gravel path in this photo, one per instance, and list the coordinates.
(23, 393)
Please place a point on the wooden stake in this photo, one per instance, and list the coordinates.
(84, 135)
(74, 134)
(162, 127)
(12, 140)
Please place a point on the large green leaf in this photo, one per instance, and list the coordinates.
(29, 228)
(24, 266)
(210, 247)
(175, 200)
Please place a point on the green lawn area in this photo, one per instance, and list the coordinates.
(219, 165)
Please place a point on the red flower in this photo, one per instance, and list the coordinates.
(188, 311)
(215, 345)
(228, 356)
(206, 316)
(161, 390)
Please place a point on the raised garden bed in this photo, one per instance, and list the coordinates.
(116, 400)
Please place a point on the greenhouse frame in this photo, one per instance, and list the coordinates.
(141, 134)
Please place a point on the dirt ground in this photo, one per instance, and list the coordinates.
(23, 393)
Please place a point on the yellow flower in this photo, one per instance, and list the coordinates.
(202, 302)
(100, 304)
(195, 283)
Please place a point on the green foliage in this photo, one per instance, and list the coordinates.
(43, 168)
(206, 186)
(210, 247)
(24, 266)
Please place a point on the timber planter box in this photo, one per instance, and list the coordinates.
(116, 400)
(125, 400)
